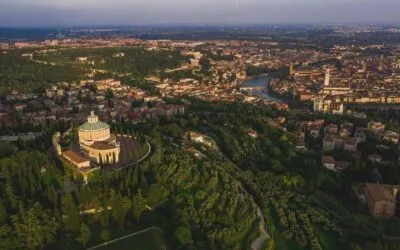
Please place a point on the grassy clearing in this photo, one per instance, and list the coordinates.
(150, 240)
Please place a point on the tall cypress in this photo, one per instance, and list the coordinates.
(3, 213)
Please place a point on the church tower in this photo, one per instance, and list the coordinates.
(327, 77)
(380, 67)
(291, 69)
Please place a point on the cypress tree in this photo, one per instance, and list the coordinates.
(84, 234)
(100, 161)
(52, 195)
(72, 219)
(114, 159)
(71, 213)
(3, 213)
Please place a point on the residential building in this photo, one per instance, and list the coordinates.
(376, 127)
(331, 129)
(339, 142)
(360, 135)
(341, 165)
(381, 199)
(350, 144)
(329, 143)
(328, 162)
(346, 129)
(300, 142)
(375, 158)
(252, 133)
(391, 136)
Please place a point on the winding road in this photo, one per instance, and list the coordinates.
(258, 242)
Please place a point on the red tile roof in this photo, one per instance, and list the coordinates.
(75, 157)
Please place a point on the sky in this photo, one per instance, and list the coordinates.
(36, 13)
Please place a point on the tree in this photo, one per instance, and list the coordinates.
(355, 247)
(105, 235)
(84, 234)
(8, 240)
(123, 207)
(52, 195)
(157, 195)
(3, 213)
(143, 185)
(114, 158)
(139, 205)
(101, 161)
(36, 228)
(183, 235)
(109, 94)
(6, 149)
(105, 218)
(120, 206)
(71, 213)
(57, 215)
(11, 196)
(205, 64)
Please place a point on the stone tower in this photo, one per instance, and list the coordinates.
(327, 77)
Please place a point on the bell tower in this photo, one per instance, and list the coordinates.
(327, 77)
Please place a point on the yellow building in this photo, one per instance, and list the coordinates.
(97, 142)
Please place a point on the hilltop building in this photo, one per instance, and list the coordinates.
(97, 142)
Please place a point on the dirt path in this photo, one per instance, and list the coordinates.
(258, 242)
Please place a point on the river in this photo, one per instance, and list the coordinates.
(262, 81)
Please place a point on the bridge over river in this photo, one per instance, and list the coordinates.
(259, 87)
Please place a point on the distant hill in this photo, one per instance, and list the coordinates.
(27, 33)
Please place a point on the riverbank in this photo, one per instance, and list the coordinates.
(263, 82)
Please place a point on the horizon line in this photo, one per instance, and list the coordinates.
(176, 25)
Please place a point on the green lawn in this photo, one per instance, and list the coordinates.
(150, 240)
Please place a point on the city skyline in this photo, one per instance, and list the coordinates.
(28, 13)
